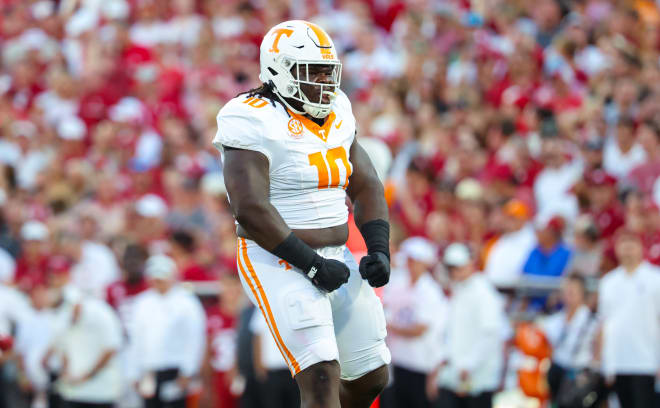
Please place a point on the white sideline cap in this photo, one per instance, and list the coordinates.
(160, 267)
(34, 231)
(420, 249)
(457, 255)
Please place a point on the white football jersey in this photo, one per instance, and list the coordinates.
(309, 164)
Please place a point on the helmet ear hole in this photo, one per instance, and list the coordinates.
(272, 71)
(287, 63)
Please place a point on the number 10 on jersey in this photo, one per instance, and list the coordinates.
(332, 158)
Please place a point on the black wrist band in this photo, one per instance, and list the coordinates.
(296, 252)
(376, 235)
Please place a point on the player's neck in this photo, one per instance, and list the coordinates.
(318, 121)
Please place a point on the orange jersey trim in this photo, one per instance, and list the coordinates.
(322, 132)
(269, 316)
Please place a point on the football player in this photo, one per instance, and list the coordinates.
(290, 157)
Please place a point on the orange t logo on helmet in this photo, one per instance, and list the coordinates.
(278, 33)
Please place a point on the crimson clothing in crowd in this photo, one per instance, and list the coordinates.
(644, 176)
(95, 104)
(652, 246)
(31, 271)
(121, 296)
(425, 206)
(194, 272)
(222, 337)
(609, 220)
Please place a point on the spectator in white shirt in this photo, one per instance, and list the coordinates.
(24, 154)
(415, 309)
(168, 337)
(7, 267)
(271, 369)
(506, 258)
(14, 306)
(571, 333)
(622, 153)
(95, 265)
(34, 335)
(474, 341)
(87, 338)
(553, 184)
(629, 311)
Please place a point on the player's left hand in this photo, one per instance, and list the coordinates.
(375, 268)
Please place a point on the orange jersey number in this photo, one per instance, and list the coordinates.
(332, 157)
(255, 102)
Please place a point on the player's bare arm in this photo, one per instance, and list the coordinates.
(371, 216)
(246, 178)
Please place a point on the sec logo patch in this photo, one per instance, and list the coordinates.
(295, 127)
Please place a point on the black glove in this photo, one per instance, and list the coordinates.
(325, 274)
(375, 268)
(328, 274)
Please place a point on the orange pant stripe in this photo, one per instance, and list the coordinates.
(256, 296)
(276, 336)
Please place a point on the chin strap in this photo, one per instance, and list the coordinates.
(313, 111)
(287, 104)
(316, 111)
(307, 109)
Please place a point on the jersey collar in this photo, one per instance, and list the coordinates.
(321, 132)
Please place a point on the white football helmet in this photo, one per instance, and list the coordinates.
(299, 44)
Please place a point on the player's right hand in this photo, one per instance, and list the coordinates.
(328, 274)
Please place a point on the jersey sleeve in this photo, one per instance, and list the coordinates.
(344, 107)
(239, 129)
(342, 102)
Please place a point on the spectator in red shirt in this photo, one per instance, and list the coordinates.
(32, 264)
(644, 175)
(414, 200)
(603, 205)
(222, 323)
(523, 165)
(121, 294)
(184, 251)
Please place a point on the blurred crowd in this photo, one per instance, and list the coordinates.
(528, 132)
